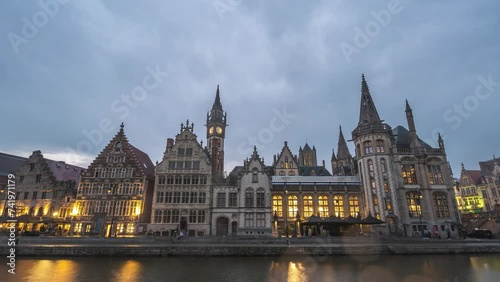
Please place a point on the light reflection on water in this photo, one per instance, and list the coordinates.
(423, 268)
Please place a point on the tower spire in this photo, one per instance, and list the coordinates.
(409, 117)
(368, 112)
(342, 149)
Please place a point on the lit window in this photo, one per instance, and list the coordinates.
(130, 228)
(308, 206)
(338, 206)
(434, 174)
(323, 206)
(409, 174)
(354, 206)
(292, 206)
(367, 145)
(278, 205)
(413, 200)
(380, 146)
(383, 165)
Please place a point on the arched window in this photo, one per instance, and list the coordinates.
(290, 164)
(261, 202)
(380, 146)
(386, 187)
(441, 205)
(255, 176)
(293, 207)
(291, 173)
(383, 165)
(286, 162)
(367, 145)
(413, 200)
(354, 206)
(323, 205)
(249, 198)
(370, 167)
(278, 205)
(282, 173)
(308, 206)
(282, 165)
(338, 206)
(118, 146)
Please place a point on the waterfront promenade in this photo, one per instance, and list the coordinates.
(244, 246)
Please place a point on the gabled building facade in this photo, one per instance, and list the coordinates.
(490, 172)
(285, 163)
(115, 193)
(472, 191)
(44, 189)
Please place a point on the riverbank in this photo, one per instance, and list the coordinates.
(211, 246)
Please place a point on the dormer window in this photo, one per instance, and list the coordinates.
(255, 176)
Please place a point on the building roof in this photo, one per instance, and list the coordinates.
(403, 140)
(307, 170)
(333, 180)
(342, 150)
(64, 172)
(143, 158)
(368, 112)
(10, 164)
(475, 175)
(488, 167)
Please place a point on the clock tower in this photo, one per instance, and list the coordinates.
(216, 132)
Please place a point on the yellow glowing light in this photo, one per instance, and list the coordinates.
(138, 210)
(74, 211)
(55, 214)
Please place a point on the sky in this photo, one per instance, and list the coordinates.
(72, 70)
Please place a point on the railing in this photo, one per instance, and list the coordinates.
(371, 128)
(420, 151)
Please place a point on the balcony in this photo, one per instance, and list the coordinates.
(371, 128)
(420, 151)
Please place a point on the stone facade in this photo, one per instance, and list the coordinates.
(115, 193)
(183, 181)
(43, 188)
(406, 182)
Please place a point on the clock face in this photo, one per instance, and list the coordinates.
(211, 130)
(219, 130)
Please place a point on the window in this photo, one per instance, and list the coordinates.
(38, 178)
(367, 145)
(130, 228)
(185, 197)
(32, 167)
(261, 198)
(194, 198)
(160, 197)
(26, 195)
(181, 152)
(201, 216)
(380, 146)
(233, 199)
(372, 183)
(192, 216)
(44, 195)
(161, 179)
(323, 206)
(386, 187)
(157, 217)
(175, 216)
(434, 174)
(413, 200)
(308, 206)
(35, 195)
(221, 199)
(278, 205)
(291, 173)
(408, 173)
(338, 206)
(21, 179)
(441, 205)
(248, 219)
(383, 166)
(293, 207)
(282, 173)
(196, 164)
(261, 219)
(118, 146)
(370, 167)
(388, 204)
(202, 198)
(177, 197)
(249, 197)
(354, 206)
(255, 177)
(171, 165)
(189, 151)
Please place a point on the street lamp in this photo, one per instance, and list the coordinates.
(419, 203)
(112, 192)
(297, 224)
(275, 222)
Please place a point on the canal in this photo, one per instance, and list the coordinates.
(411, 268)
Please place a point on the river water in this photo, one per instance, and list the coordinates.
(411, 268)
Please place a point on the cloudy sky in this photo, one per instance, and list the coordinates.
(72, 71)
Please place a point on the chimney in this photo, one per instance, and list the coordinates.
(323, 163)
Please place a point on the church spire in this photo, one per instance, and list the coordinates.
(409, 118)
(368, 113)
(334, 158)
(217, 104)
(342, 150)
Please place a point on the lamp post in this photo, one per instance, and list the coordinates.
(112, 192)
(419, 202)
(275, 222)
(297, 225)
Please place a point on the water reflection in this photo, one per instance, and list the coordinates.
(442, 268)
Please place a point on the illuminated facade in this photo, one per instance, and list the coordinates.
(43, 187)
(115, 193)
(471, 192)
